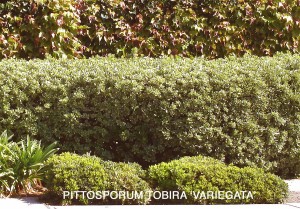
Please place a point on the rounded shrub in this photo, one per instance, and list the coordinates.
(205, 180)
(69, 173)
(129, 177)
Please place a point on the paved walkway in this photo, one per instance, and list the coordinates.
(14, 203)
(294, 185)
(23, 203)
(281, 206)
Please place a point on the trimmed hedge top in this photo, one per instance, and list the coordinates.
(244, 111)
(76, 28)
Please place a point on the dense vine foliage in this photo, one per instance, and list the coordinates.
(76, 28)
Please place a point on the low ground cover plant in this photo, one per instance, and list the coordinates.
(22, 164)
(204, 175)
(72, 172)
(243, 111)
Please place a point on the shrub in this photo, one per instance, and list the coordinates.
(204, 174)
(71, 172)
(127, 177)
(22, 164)
(74, 28)
(243, 111)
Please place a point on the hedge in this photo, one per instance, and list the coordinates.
(244, 111)
(199, 176)
(76, 28)
(69, 172)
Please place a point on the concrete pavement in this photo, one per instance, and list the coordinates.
(22, 203)
(263, 206)
(14, 203)
(294, 185)
(31, 203)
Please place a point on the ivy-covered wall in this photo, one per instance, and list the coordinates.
(76, 28)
